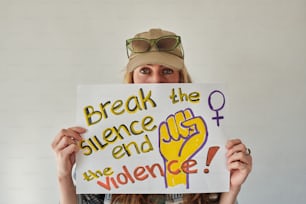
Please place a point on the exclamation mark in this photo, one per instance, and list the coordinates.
(210, 155)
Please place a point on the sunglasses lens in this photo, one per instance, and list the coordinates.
(139, 45)
(166, 44)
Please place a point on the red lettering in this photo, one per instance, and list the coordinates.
(126, 174)
(154, 166)
(105, 185)
(139, 173)
(187, 165)
(177, 171)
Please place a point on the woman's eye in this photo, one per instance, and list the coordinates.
(167, 71)
(145, 70)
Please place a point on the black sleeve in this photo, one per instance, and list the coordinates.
(90, 198)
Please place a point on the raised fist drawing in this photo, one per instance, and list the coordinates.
(181, 137)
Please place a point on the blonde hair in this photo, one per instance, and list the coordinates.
(184, 76)
(199, 198)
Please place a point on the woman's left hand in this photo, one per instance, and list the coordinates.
(239, 162)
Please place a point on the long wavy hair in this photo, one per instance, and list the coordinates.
(198, 198)
(202, 198)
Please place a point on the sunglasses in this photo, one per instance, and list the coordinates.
(166, 44)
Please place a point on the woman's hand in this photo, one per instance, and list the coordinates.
(65, 147)
(239, 162)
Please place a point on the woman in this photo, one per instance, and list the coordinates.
(155, 56)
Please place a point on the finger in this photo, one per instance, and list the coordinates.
(242, 158)
(232, 142)
(249, 161)
(163, 132)
(63, 133)
(235, 149)
(188, 113)
(180, 118)
(173, 131)
(196, 126)
(237, 166)
(73, 132)
(64, 142)
(72, 148)
(191, 126)
(67, 152)
(238, 157)
(78, 129)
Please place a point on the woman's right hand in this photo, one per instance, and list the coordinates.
(65, 146)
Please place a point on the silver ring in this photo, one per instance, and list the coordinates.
(248, 151)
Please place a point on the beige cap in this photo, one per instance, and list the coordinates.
(173, 59)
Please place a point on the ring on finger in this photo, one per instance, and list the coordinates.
(73, 140)
(248, 151)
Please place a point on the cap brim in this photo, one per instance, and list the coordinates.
(162, 58)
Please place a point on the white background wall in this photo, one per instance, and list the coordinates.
(258, 47)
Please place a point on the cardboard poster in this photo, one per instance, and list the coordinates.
(152, 138)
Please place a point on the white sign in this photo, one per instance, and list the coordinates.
(152, 138)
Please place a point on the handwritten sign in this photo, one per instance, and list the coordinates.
(152, 138)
